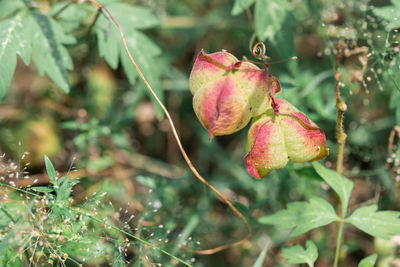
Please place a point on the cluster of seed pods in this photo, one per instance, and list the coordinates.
(228, 93)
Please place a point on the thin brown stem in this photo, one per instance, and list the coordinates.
(341, 109)
(177, 139)
(395, 130)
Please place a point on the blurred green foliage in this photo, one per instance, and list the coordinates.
(92, 116)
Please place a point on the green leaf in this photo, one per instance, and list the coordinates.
(108, 43)
(49, 54)
(14, 39)
(269, 16)
(296, 254)
(341, 185)
(390, 13)
(43, 189)
(260, 260)
(376, 223)
(144, 51)
(240, 5)
(9, 7)
(51, 172)
(71, 17)
(129, 16)
(10, 258)
(89, 249)
(302, 216)
(368, 261)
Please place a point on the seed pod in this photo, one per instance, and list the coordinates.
(275, 140)
(228, 92)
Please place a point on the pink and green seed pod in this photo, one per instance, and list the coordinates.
(228, 92)
(275, 140)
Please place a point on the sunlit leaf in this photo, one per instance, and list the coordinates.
(70, 18)
(297, 254)
(8, 7)
(368, 261)
(51, 172)
(390, 13)
(42, 189)
(14, 39)
(240, 5)
(341, 185)
(130, 16)
(376, 223)
(144, 51)
(302, 216)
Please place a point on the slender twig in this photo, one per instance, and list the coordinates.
(341, 109)
(395, 130)
(177, 139)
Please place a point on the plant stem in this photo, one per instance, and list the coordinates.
(341, 109)
(338, 243)
(341, 139)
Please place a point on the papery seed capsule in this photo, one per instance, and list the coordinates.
(275, 140)
(228, 92)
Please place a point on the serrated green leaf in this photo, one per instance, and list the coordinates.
(51, 172)
(297, 254)
(49, 54)
(341, 185)
(269, 16)
(136, 17)
(302, 216)
(368, 261)
(71, 17)
(240, 5)
(143, 50)
(43, 189)
(14, 40)
(108, 42)
(376, 223)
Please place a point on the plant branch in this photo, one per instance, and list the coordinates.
(341, 139)
(395, 131)
(182, 150)
(341, 109)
